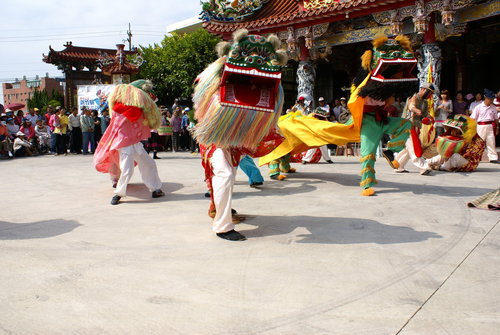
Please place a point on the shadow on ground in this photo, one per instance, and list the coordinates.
(385, 186)
(334, 230)
(39, 229)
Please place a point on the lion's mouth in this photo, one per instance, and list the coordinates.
(397, 70)
(249, 88)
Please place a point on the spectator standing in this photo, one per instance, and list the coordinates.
(75, 136)
(52, 118)
(31, 116)
(185, 135)
(176, 129)
(97, 126)
(486, 116)
(105, 120)
(87, 125)
(61, 122)
(476, 102)
(165, 130)
(444, 109)
(337, 109)
(459, 104)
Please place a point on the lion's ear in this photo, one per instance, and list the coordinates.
(240, 34)
(275, 41)
(222, 48)
(366, 60)
(282, 57)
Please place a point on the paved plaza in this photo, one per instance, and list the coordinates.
(319, 259)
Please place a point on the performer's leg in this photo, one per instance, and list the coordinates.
(399, 129)
(274, 170)
(148, 169)
(371, 133)
(309, 155)
(402, 157)
(248, 166)
(485, 131)
(419, 162)
(455, 162)
(324, 153)
(127, 170)
(222, 183)
(285, 164)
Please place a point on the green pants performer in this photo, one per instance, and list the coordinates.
(279, 165)
(372, 132)
(386, 73)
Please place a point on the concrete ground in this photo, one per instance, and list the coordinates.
(319, 259)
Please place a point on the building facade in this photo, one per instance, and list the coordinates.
(22, 90)
(456, 41)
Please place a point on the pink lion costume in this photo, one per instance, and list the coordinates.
(133, 114)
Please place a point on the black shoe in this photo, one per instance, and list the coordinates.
(207, 194)
(157, 194)
(256, 184)
(304, 162)
(389, 155)
(232, 235)
(233, 211)
(114, 184)
(495, 161)
(329, 161)
(155, 156)
(115, 200)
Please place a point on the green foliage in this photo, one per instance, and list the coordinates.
(41, 99)
(174, 64)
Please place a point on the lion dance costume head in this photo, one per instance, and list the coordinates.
(388, 69)
(459, 132)
(238, 98)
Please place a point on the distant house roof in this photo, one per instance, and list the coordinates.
(282, 13)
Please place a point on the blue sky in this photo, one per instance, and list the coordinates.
(28, 27)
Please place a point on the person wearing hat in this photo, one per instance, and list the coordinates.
(300, 105)
(416, 110)
(12, 127)
(22, 147)
(486, 116)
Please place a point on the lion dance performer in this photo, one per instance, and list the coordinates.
(238, 100)
(133, 114)
(460, 148)
(386, 72)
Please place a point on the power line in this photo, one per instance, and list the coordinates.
(52, 39)
(71, 34)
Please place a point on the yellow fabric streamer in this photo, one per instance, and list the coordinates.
(304, 132)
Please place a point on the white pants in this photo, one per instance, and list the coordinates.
(310, 153)
(222, 184)
(147, 167)
(456, 161)
(485, 131)
(408, 152)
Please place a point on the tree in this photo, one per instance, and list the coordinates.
(41, 99)
(173, 65)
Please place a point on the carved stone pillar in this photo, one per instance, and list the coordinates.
(429, 66)
(306, 76)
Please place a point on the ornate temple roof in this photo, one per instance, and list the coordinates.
(78, 55)
(282, 13)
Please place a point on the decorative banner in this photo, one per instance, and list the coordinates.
(93, 97)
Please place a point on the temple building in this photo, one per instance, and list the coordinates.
(85, 66)
(456, 41)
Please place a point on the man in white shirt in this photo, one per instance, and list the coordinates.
(486, 116)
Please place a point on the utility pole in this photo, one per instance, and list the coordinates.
(129, 39)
